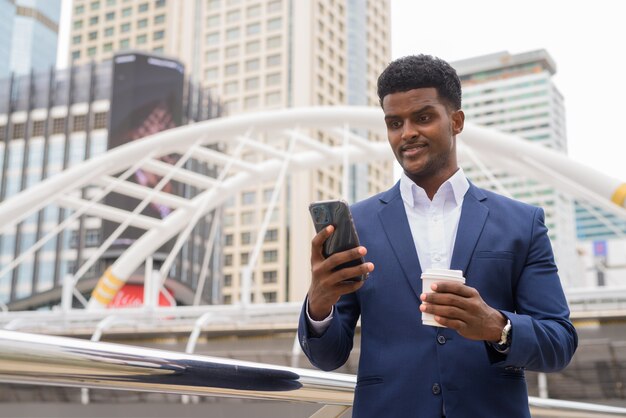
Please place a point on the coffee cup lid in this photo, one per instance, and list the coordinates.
(444, 272)
(443, 277)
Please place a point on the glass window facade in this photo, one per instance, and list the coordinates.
(48, 143)
(33, 41)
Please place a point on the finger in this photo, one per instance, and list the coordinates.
(346, 256)
(446, 311)
(345, 287)
(448, 316)
(454, 324)
(445, 299)
(454, 288)
(352, 272)
(317, 244)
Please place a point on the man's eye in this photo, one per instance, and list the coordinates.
(395, 124)
(424, 118)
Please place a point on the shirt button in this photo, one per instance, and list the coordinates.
(436, 389)
(437, 258)
(441, 339)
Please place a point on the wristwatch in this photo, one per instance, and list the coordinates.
(505, 337)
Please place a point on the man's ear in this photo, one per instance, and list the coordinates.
(458, 121)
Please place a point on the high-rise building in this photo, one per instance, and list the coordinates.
(54, 120)
(29, 32)
(100, 28)
(260, 55)
(7, 17)
(516, 94)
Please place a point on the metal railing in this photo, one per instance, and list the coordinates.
(61, 361)
(603, 301)
(589, 303)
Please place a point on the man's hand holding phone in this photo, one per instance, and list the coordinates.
(328, 283)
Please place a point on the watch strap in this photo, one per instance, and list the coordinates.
(505, 337)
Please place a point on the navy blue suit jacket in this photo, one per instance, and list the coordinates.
(407, 369)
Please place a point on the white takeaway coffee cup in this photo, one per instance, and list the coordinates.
(431, 276)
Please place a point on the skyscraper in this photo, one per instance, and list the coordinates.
(260, 55)
(7, 16)
(516, 94)
(102, 27)
(29, 32)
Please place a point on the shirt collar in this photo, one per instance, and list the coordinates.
(454, 188)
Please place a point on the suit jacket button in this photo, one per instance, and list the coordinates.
(436, 389)
(441, 339)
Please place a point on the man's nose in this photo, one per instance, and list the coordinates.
(409, 131)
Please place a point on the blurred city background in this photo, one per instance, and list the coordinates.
(197, 239)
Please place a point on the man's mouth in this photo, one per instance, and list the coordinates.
(412, 149)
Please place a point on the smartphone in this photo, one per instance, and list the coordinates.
(337, 213)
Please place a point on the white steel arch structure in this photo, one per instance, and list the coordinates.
(283, 137)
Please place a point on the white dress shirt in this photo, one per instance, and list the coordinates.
(434, 223)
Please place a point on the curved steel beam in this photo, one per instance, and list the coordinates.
(503, 151)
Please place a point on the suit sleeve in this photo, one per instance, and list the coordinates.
(331, 350)
(543, 338)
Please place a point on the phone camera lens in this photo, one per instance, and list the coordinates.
(320, 215)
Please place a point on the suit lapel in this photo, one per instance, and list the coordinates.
(396, 226)
(473, 218)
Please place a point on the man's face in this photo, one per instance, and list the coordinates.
(421, 130)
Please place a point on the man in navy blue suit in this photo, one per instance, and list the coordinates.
(511, 313)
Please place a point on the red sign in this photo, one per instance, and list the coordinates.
(131, 295)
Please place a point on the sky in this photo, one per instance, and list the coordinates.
(587, 40)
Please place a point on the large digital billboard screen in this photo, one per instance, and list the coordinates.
(146, 98)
